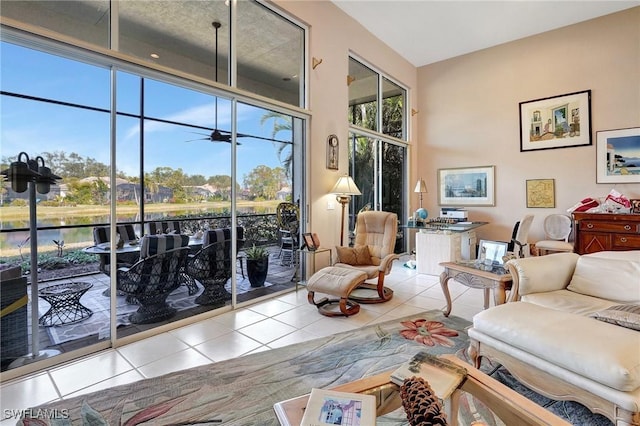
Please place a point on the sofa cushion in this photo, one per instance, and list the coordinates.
(622, 315)
(607, 276)
(569, 301)
(568, 341)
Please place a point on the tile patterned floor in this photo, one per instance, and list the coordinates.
(281, 321)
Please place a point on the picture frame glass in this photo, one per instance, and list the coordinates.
(467, 186)
(618, 156)
(541, 193)
(492, 250)
(556, 122)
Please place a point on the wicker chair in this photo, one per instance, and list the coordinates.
(288, 219)
(127, 233)
(164, 227)
(212, 267)
(150, 281)
(557, 228)
(154, 244)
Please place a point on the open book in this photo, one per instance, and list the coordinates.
(443, 375)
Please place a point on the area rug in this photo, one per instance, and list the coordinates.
(242, 391)
(98, 322)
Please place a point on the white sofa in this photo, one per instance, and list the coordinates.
(548, 336)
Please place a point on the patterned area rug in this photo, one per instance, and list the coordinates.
(242, 391)
(98, 322)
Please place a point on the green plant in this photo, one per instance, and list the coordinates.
(256, 253)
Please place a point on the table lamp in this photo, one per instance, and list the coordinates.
(344, 188)
(421, 187)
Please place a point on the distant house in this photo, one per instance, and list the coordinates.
(284, 194)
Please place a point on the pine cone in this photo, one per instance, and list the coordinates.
(421, 404)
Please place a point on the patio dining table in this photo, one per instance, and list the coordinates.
(104, 251)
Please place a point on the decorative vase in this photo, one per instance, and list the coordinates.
(257, 271)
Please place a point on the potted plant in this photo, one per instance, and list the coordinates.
(257, 265)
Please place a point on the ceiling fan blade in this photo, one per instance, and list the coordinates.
(243, 135)
(199, 139)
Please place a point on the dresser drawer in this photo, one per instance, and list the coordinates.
(626, 241)
(619, 227)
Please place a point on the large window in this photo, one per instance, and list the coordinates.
(183, 148)
(377, 151)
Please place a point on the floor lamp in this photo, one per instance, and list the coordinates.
(344, 188)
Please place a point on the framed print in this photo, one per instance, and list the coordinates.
(635, 206)
(492, 250)
(541, 193)
(618, 156)
(308, 242)
(557, 122)
(332, 152)
(467, 186)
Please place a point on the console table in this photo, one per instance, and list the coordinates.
(606, 231)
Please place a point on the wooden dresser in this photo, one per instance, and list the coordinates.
(603, 231)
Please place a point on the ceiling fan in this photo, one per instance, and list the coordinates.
(222, 135)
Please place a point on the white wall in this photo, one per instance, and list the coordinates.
(469, 114)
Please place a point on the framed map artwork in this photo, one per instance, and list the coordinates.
(541, 193)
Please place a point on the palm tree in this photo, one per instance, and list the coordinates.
(281, 122)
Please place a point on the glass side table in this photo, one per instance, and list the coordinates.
(313, 253)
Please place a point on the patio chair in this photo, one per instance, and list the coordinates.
(164, 227)
(160, 243)
(288, 219)
(150, 281)
(372, 253)
(212, 267)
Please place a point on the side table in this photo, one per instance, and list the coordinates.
(306, 252)
(65, 303)
(476, 275)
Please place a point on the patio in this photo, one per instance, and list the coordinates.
(95, 328)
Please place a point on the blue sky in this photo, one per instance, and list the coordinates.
(36, 127)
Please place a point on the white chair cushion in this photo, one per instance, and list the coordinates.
(607, 276)
(560, 338)
(569, 301)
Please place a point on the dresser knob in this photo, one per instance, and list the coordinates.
(627, 227)
(589, 225)
(623, 240)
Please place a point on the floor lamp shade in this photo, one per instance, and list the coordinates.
(344, 188)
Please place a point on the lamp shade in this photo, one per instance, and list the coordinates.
(421, 186)
(345, 186)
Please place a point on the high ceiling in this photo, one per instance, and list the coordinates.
(428, 31)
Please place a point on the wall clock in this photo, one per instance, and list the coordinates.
(332, 152)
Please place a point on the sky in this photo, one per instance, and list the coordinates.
(36, 127)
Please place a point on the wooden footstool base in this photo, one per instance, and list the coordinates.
(339, 282)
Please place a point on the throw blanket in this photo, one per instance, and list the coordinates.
(242, 391)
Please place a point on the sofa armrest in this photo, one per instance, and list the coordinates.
(541, 274)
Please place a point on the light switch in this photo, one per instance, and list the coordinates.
(331, 205)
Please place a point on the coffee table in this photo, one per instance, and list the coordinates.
(476, 275)
(511, 407)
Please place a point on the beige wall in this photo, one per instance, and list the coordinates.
(469, 114)
(333, 35)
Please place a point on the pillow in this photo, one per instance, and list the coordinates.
(354, 256)
(623, 315)
(611, 277)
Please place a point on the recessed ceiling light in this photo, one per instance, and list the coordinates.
(155, 56)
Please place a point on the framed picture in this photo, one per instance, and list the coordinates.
(618, 156)
(635, 205)
(541, 193)
(556, 122)
(467, 186)
(309, 243)
(332, 152)
(492, 250)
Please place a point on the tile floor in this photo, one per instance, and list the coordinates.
(281, 321)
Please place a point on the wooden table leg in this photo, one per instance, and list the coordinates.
(499, 294)
(444, 283)
(486, 297)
